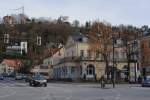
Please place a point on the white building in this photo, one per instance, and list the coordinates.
(17, 47)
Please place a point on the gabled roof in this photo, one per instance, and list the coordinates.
(12, 63)
(49, 52)
(80, 38)
(58, 50)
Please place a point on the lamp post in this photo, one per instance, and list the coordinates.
(113, 70)
(135, 60)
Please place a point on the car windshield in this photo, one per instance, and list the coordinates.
(147, 79)
(38, 77)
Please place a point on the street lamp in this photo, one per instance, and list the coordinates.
(135, 59)
(113, 70)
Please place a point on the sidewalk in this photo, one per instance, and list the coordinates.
(97, 85)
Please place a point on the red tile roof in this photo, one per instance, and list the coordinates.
(12, 63)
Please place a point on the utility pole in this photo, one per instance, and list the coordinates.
(21, 10)
(21, 14)
(114, 67)
(135, 60)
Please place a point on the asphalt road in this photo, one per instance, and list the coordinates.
(18, 90)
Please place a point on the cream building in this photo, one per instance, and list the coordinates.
(49, 62)
(76, 60)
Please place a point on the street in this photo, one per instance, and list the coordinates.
(18, 90)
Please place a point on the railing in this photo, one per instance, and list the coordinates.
(119, 59)
(79, 58)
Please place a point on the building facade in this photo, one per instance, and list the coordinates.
(44, 70)
(9, 66)
(8, 20)
(145, 55)
(76, 61)
(17, 47)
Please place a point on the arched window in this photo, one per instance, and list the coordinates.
(90, 70)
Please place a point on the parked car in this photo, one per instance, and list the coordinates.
(1, 77)
(24, 76)
(28, 78)
(38, 80)
(146, 82)
(19, 77)
(5, 75)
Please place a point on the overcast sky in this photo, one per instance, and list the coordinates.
(135, 12)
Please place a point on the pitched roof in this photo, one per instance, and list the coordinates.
(79, 38)
(12, 63)
(49, 52)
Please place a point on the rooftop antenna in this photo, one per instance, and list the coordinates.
(19, 9)
(21, 13)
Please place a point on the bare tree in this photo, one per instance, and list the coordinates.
(128, 35)
(100, 40)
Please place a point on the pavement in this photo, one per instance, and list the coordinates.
(11, 89)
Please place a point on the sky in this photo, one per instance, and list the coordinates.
(128, 12)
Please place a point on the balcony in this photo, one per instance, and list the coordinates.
(78, 58)
(86, 58)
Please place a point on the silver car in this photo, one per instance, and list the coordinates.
(146, 82)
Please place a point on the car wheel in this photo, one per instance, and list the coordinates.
(45, 85)
(30, 84)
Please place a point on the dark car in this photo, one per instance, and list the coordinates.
(38, 80)
(28, 78)
(1, 77)
(146, 82)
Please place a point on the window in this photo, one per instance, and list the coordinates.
(81, 53)
(16, 44)
(39, 38)
(24, 45)
(72, 70)
(101, 56)
(115, 41)
(80, 70)
(89, 53)
(67, 54)
(90, 70)
(143, 59)
(116, 55)
(97, 54)
(124, 55)
(72, 54)
(142, 45)
(6, 38)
